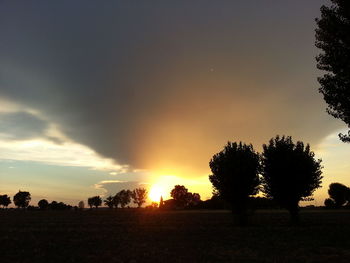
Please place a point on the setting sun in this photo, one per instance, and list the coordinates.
(155, 193)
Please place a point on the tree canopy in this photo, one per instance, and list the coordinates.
(235, 174)
(95, 201)
(43, 204)
(123, 197)
(109, 201)
(333, 38)
(5, 200)
(290, 172)
(179, 193)
(339, 193)
(139, 196)
(22, 199)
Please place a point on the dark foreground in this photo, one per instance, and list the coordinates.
(146, 236)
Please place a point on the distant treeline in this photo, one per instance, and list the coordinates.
(339, 196)
(23, 198)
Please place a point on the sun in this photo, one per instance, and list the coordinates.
(155, 193)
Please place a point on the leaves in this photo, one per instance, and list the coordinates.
(333, 39)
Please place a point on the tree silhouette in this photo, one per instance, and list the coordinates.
(333, 38)
(193, 199)
(339, 193)
(116, 200)
(161, 202)
(95, 201)
(180, 195)
(235, 176)
(5, 200)
(329, 203)
(124, 197)
(54, 205)
(139, 196)
(81, 205)
(290, 173)
(22, 199)
(43, 204)
(109, 201)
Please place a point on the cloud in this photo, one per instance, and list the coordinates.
(64, 154)
(134, 82)
(21, 125)
(111, 187)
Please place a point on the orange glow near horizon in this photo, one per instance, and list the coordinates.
(156, 192)
(163, 184)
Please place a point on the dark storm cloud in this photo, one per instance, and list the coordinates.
(176, 79)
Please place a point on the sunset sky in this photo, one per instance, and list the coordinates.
(97, 96)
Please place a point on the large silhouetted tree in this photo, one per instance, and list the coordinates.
(22, 199)
(124, 197)
(339, 193)
(290, 173)
(5, 200)
(235, 176)
(43, 204)
(139, 196)
(95, 201)
(333, 38)
(180, 194)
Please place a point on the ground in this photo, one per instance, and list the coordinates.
(138, 235)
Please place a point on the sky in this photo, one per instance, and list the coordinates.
(100, 96)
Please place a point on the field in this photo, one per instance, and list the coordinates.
(136, 235)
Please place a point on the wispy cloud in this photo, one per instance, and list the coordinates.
(111, 187)
(65, 154)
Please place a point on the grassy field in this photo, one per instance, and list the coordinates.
(170, 236)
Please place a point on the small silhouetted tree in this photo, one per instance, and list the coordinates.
(81, 205)
(5, 200)
(139, 196)
(54, 205)
(180, 195)
(329, 203)
(43, 204)
(290, 173)
(332, 37)
(235, 176)
(22, 199)
(161, 202)
(95, 201)
(124, 197)
(339, 193)
(109, 202)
